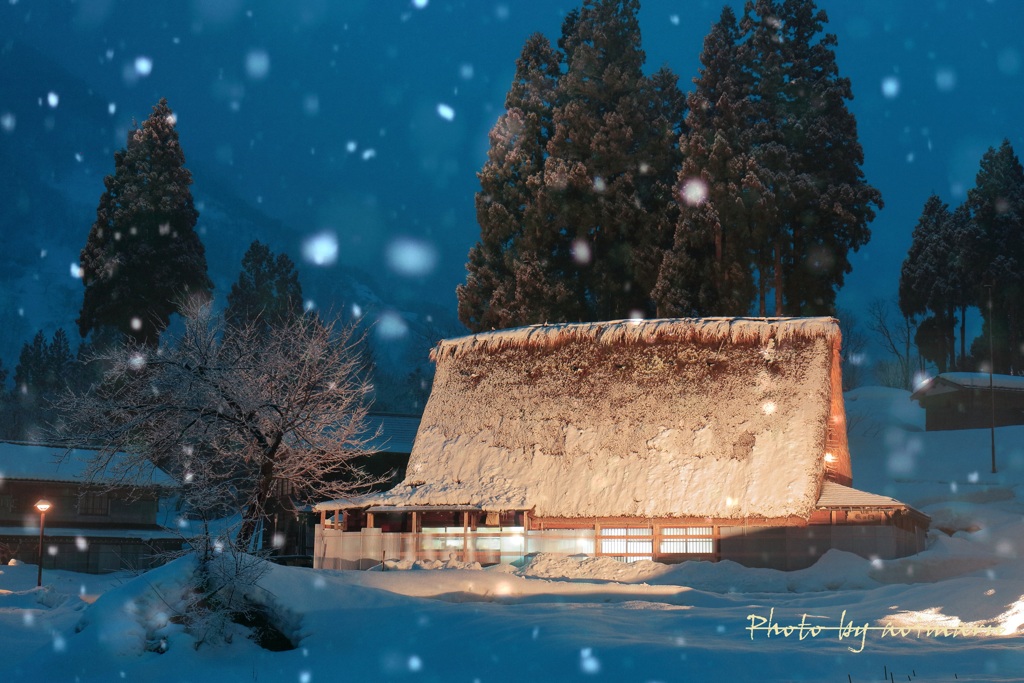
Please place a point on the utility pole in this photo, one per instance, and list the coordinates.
(991, 369)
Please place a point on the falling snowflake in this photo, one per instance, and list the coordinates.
(445, 112)
(8, 121)
(694, 192)
(257, 64)
(581, 252)
(589, 664)
(321, 249)
(890, 87)
(390, 326)
(143, 66)
(945, 79)
(411, 257)
(52, 99)
(311, 105)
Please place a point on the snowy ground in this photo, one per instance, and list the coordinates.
(587, 619)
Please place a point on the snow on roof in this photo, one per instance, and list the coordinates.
(835, 495)
(716, 417)
(48, 463)
(699, 330)
(968, 380)
(31, 530)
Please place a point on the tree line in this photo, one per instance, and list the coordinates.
(970, 257)
(609, 194)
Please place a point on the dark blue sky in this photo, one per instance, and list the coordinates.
(325, 113)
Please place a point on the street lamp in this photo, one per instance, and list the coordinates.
(42, 505)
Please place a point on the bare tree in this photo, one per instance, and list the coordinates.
(235, 418)
(854, 344)
(896, 336)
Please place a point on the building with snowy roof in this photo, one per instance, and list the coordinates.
(971, 400)
(95, 525)
(714, 438)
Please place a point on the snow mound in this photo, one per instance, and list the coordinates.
(130, 619)
(835, 570)
(404, 565)
(585, 568)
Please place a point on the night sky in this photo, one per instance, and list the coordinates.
(366, 121)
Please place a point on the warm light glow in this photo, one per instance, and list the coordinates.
(43, 505)
(829, 457)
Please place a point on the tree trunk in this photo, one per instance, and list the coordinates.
(257, 510)
(778, 280)
(762, 305)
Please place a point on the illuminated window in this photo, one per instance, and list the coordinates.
(688, 540)
(627, 544)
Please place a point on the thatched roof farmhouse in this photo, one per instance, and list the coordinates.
(709, 428)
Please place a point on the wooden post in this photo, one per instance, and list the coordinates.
(323, 520)
(465, 536)
(415, 536)
(597, 539)
(526, 533)
(369, 520)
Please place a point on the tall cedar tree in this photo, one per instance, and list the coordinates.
(267, 291)
(576, 205)
(997, 205)
(612, 162)
(510, 278)
(927, 281)
(722, 195)
(143, 258)
(806, 139)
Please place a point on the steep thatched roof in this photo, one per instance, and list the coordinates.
(721, 417)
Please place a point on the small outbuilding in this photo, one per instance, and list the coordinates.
(713, 438)
(92, 526)
(971, 400)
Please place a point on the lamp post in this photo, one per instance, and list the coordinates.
(42, 505)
